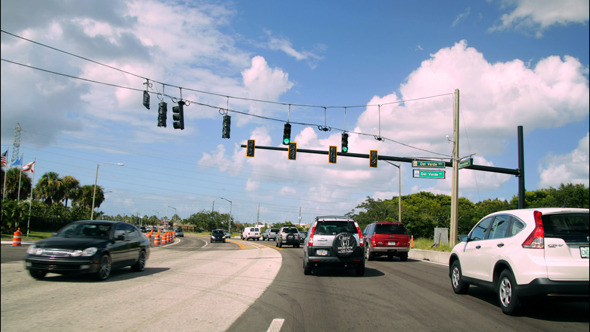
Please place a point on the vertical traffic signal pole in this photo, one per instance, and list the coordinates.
(455, 187)
(521, 189)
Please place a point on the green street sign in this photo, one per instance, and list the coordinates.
(428, 163)
(466, 163)
(420, 173)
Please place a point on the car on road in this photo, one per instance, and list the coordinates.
(178, 232)
(270, 234)
(525, 253)
(288, 235)
(251, 233)
(386, 239)
(227, 234)
(302, 235)
(334, 240)
(87, 246)
(143, 229)
(218, 235)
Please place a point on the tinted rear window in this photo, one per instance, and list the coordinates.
(390, 229)
(333, 227)
(569, 227)
(290, 230)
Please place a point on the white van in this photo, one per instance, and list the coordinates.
(251, 233)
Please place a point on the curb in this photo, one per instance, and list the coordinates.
(441, 257)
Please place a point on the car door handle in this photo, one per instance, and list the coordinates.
(500, 245)
(477, 247)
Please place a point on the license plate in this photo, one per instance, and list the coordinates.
(321, 252)
(391, 243)
(584, 252)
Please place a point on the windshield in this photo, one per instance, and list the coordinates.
(100, 231)
(333, 227)
(218, 232)
(390, 229)
(569, 227)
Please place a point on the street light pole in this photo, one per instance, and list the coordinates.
(172, 207)
(230, 207)
(95, 180)
(399, 218)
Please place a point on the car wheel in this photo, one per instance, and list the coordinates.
(307, 268)
(459, 286)
(509, 301)
(37, 274)
(368, 254)
(403, 256)
(344, 244)
(104, 268)
(360, 270)
(140, 264)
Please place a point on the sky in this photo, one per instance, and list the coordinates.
(73, 73)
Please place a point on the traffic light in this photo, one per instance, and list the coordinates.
(292, 150)
(226, 126)
(250, 148)
(333, 152)
(162, 110)
(373, 159)
(344, 142)
(146, 99)
(287, 134)
(178, 116)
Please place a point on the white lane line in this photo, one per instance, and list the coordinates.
(275, 325)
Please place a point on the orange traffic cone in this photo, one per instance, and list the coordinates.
(412, 241)
(157, 239)
(16, 238)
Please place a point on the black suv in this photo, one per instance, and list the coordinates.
(334, 240)
(218, 235)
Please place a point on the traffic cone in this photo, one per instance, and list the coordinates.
(16, 238)
(412, 241)
(149, 235)
(157, 239)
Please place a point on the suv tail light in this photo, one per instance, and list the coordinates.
(536, 240)
(358, 229)
(311, 233)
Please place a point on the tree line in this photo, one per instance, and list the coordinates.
(60, 200)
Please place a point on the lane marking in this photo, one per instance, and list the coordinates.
(275, 325)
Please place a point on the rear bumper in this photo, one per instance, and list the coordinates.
(547, 287)
(389, 250)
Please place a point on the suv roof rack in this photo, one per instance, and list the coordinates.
(333, 218)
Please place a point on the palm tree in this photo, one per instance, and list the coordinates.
(49, 188)
(71, 187)
(84, 198)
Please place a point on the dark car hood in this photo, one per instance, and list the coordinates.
(71, 243)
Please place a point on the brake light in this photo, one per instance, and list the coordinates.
(373, 240)
(311, 233)
(536, 240)
(358, 229)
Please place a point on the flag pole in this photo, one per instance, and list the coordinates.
(31, 199)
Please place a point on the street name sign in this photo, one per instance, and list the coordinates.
(428, 163)
(420, 173)
(466, 163)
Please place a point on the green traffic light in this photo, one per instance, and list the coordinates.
(286, 141)
(345, 149)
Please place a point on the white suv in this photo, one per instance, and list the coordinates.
(525, 253)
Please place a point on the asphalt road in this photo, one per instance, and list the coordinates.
(252, 286)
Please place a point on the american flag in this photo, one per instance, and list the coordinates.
(4, 155)
(30, 167)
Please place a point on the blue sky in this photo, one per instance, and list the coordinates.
(394, 65)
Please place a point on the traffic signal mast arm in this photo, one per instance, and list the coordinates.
(502, 170)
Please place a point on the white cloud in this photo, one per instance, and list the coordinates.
(538, 15)
(284, 45)
(566, 168)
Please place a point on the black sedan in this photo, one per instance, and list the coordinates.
(218, 235)
(87, 246)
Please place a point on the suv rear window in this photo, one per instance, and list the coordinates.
(290, 230)
(569, 227)
(333, 227)
(390, 229)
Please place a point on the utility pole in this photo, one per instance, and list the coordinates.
(455, 180)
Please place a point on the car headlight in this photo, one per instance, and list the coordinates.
(32, 249)
(84, 253)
